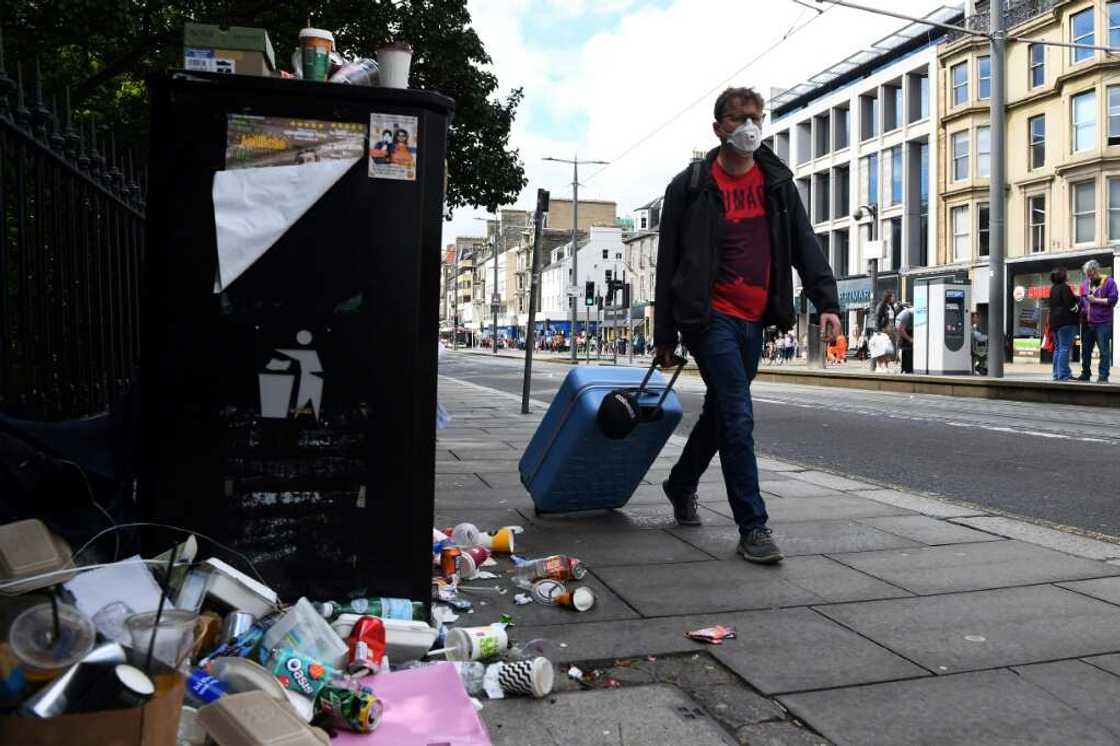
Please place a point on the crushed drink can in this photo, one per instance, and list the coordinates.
(365, 646)
(356, 709)
(300, 673)
(449, 563)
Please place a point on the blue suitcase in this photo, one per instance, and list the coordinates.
(570, 464)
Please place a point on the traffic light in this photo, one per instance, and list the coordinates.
(589, 295)
(599, 301)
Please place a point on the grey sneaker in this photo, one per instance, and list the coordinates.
(757, 546)
(684, 506)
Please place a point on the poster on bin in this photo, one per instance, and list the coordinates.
(255, 141)
(393, 146)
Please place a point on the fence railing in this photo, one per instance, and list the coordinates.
(71, 250)
(1018, 11)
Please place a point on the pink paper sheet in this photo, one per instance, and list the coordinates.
(423, 707)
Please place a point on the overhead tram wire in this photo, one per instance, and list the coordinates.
(793, 30)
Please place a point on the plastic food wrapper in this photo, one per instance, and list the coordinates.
(715, 634)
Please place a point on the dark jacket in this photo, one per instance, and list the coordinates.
(1064, 307)
(688, 251)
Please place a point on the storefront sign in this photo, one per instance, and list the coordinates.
(1019, 293)
(855, 293)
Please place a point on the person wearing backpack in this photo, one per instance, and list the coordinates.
(1065, 314)
(732, 230)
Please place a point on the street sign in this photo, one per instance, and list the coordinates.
(873, 250)
(495, 299)
(495, 307)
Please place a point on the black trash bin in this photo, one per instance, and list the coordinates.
(292, 414)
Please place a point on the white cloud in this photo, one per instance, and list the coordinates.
(645, 66)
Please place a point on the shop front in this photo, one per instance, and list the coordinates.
(1029, 299)
(857, 300)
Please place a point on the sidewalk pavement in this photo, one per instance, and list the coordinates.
(895, 618)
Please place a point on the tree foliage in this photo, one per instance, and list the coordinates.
(101, 50)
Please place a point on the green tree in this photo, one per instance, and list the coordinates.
(101, 50)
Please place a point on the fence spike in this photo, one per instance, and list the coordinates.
(115, 175)
(22, 115)
(42, 116)
(7, 85)
(58, 142)
(73, 138)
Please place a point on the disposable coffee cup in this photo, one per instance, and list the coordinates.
(476, 643)
(580, 599)
(315, 53)
(395, 60)
(470, 561)
(533, 677)
(500, 541)
(119, 686)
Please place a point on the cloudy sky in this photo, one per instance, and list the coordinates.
(603, 78)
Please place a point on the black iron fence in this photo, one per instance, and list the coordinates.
(71, 248)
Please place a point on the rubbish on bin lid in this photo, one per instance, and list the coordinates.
(502, 540)
(185, 553)
(521, 599)
(715, 634)
(237, 623)
(301, 628)
(556, 567)
(191, 733)
(354, 708)
(254, 719)
(301, 673)
(167, 635)
(12, 681)
(129, 581)
(238, 591)
(315, 47)
(365, 646)
(192, 590)
(395, 60)
(50, 637)
(244, 644)
(202, 688)
(302, 706)
(110, 622)
(208, 635)
(118, 686)
(53, 699)
(386, 608)
(29, 549)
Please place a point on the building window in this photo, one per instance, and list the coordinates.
(1084, 117)
(1081, 32)
(895, 232)
(959, 218)
(892, 111)
(982, 228)
(870, 178)
(842, 118)
(1114, 115)
(840, 252)
(643, 224)
(1036, 210)
(983, 78)
(923, 97)
(896, 174)
(959, 76)
(869, 116)
(1037, 56)
(1036, 126)
(1114, 25)
(1114, 209)
(923, 204)
(618, 256)
(959, 142)
(605, 254)
(983, 152)
(1084, 212)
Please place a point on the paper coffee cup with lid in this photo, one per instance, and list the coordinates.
(534, 677)
(395, 60)
(315, 49)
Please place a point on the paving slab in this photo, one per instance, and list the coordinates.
(489, 606)
(1094, 693)
(731, 585)
(499, 479)
(834, 481)
(607, 548)
(815, 509)
(1110, 663)
(458, 481)
(797, 488)
(631, 516)
(778, 734)
(788, 650)
(798, 538)
(1063, 541)
(482, 497)
(973, 567)
(771, 464)
(968, 631)
(1106, 589)
(599, 641)
(478, 466)
(918, 503)
(505, 453)
(929, 531)
(632, 715)
(994, 708)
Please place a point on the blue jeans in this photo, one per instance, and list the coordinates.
(1101, 336)
(1063, 343)
(727, 355)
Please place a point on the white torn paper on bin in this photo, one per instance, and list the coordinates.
(129, 581)
(254, 207)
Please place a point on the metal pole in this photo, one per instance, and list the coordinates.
(575, 250)
(587, 336)
(534, 283)
(455, 332)
(494, 298)
(630, 328)
(996, 205)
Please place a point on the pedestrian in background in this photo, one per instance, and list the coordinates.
(1098, 298)
(1065, 311)
(905, 325)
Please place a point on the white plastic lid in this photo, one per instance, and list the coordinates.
(316, 33)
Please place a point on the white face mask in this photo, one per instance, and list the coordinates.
(746, 138)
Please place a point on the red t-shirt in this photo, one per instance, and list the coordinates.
(744, 270)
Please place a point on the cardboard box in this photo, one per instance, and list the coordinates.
(235, 50)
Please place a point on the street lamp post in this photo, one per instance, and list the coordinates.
(575, 161)
(872, 212)
(495, 299)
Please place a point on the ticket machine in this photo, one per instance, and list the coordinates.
(942, 327)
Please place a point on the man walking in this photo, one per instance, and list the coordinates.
(1098, 298)
(732, 229)
(904, 324)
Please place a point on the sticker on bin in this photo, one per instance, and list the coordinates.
(206, 61)
(394, 146)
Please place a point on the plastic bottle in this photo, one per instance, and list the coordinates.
(202, 689)
(471, 674)
(358, 72)
(556, 567)
(385, 608)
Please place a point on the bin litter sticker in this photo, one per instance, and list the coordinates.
(253, 141)
(393, 146)
(278, 383)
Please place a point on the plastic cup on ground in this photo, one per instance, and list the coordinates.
(476, 643)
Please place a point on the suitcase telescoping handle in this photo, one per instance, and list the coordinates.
(668, 388)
